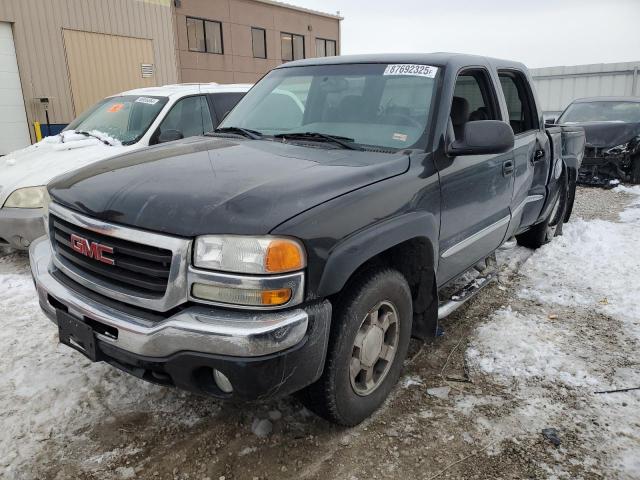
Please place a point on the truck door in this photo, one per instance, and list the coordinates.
(476, 190)
(530, 149)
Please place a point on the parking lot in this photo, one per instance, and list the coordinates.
(524, 356)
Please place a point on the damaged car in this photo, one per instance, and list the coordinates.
(612, 128)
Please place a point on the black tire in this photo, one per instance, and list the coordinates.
(635, 170)
(543, 232)
(334, 396)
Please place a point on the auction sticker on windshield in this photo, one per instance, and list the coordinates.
(147, 100)
(410, 69)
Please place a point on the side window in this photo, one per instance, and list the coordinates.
(190, 116)
(473, 99)
(223, 103)
(520, 105)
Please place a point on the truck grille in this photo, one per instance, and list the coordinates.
(140, 269)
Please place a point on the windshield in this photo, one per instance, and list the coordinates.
(627, 112)
(125, 118)
(376, 105)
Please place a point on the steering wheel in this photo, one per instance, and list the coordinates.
(405, 120)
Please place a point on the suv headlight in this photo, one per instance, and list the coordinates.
(243, 254)
(28, 197)
(271, 269)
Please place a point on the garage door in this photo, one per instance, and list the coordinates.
(14, 129)
(101, 65)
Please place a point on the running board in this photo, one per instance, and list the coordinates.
(467, 292)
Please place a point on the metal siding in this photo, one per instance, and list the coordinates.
(559, 86)
(38, 31)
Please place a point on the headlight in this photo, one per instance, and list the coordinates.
(618, 149)
(29, 197)
(240, 254)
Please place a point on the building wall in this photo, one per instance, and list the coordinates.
(237, 17)
(559, 86)
(38, 32)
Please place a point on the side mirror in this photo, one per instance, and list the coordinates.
(483, 137)
(170, 136)
(550, 121)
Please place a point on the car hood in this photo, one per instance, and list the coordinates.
(38, 164)
(608, 134)
(216, 185)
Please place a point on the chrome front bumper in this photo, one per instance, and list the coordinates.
(20, 226)
(195, 328)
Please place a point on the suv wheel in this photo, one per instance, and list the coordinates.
(368, 345)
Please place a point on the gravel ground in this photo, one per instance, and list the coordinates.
(481, 424)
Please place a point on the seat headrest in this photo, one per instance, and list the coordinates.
(459, 111)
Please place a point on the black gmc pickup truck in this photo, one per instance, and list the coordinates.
(299, 246)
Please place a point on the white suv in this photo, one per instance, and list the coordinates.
(118, 124)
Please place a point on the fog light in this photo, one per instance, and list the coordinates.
(222, 381)
(241, 296)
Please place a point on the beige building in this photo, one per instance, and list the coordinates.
(58, 57)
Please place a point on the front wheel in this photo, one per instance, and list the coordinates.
(544, 231)
(368, 345)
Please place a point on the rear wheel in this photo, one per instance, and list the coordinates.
(368, 344)
(544, 231)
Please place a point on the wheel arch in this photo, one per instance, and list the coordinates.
(406, 243)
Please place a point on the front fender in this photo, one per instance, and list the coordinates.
(353, 251)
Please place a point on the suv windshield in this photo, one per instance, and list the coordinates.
(375, 105)
(125, 118)
(605, 111)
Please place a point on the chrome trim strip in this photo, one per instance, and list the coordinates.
(526, 201)
(199, 328)
(475, 237)
(294, 281)
(176, 292)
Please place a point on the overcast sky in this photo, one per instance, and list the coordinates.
(539, 33)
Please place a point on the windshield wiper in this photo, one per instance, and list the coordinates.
(98, 137)
(245, 132)
(344, 142)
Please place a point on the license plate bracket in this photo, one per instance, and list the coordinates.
(76, 334)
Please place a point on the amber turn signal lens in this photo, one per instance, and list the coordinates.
(276, 297)
(284, 256)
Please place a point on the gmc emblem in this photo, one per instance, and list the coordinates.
(91, 249)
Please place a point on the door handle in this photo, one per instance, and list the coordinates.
(538, 155)
(507, 168)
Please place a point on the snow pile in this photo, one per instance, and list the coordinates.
(580, 335)
(69, 140)
(525, 345)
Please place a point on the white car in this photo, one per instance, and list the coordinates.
(118, 124)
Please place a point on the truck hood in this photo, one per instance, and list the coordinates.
(38, 164)
(203, 186)
(608, 134)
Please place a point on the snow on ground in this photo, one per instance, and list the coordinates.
(48, 391)
(573, 329)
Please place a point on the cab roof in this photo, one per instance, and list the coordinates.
(183, 89)
(436, 59)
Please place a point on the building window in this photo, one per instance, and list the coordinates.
(204, 35)
(325, 48)
(259, 39)
(292, 46)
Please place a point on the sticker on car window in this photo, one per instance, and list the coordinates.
(401, 137)
(116, 107)
(410, 69)
(147, 100)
